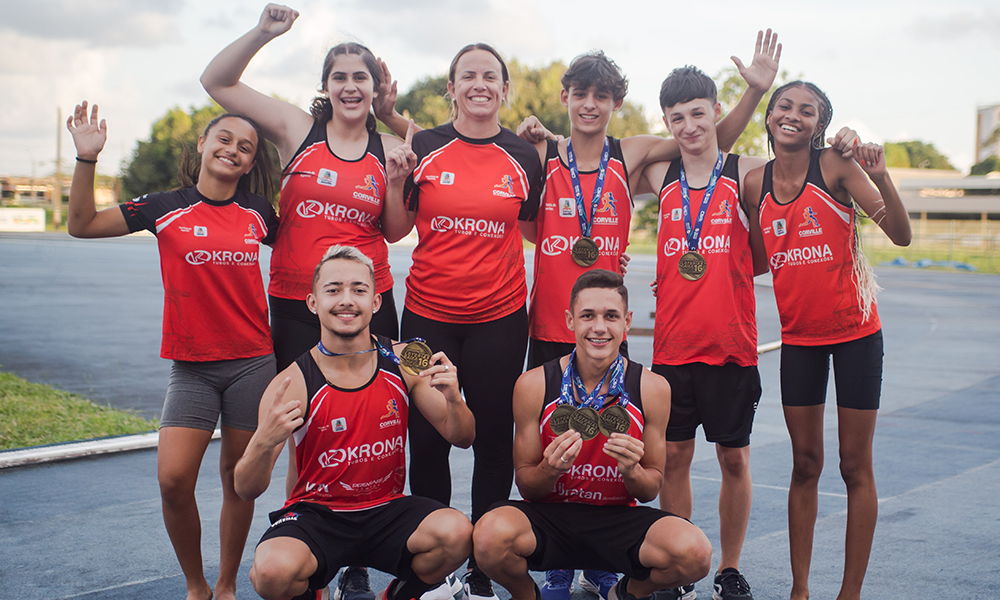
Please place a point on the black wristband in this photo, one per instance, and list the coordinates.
(86, 160)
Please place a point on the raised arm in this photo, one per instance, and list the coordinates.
(283, 124)
(384, 105)
(83, 220)
(396, 220)
(435, 393)
(883, 204)
(280, 413)
(759, 77)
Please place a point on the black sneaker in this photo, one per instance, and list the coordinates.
(619, 591)
(478, 587)
(685, 592)
(730, 585)
(353, 585)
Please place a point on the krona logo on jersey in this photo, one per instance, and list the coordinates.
(807, 255)
(335, 212)
(368, 185)
(220, 257)
(708, 244)
(361, 453)
(468, 226)
(555, 245)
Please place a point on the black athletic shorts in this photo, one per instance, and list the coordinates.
(374, 537)
(857, 373)
(570, 535)
(722, 399)
(541, 351)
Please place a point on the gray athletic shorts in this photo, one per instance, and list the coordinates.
(199, 391)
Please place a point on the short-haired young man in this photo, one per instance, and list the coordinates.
(589, 437)
(347, 451)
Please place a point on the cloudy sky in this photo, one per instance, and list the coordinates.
(894, 70)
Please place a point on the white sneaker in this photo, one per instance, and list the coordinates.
(478, 587)
(446, 591)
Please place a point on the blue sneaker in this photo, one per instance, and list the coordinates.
(598, 582)
(558, 584)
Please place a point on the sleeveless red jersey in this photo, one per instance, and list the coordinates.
(559, 229)
(469, 194)
(214, 306)
(810, 248)
(711, 320)
(594, 477)
(326, 200)
(350, 453)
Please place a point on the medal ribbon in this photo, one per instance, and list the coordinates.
(593, 399)
(381, 350)
(574, 175)
(694, 233)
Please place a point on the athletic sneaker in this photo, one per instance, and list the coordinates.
(353, 585)
(598, 582)
(620, 591)
(685, 592)
(558, 584)
(478, 586)
(446, 591)
(730, 585)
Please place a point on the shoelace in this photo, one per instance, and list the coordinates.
(558, 579)
(734, 583)
(357, 580)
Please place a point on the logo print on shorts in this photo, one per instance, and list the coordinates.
(368, 185)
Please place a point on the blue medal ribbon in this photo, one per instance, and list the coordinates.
(381, 349)
(694, 233)
(616, 387)
(574, 175)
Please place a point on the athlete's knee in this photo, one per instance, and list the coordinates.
(679, 455)
(495, 533)
(452, 531)
(176, 487)
(807, 466)
(856, 470)
(272, 576)
(679, 548)
(735, 462)
(693, 554)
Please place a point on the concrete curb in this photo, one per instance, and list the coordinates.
(44, 454)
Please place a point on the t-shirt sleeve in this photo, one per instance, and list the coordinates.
(271, 221)
(422, 146)
(141, 213)
(533, 171)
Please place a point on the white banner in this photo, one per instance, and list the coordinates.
(22, 219)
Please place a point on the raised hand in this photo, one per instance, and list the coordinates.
(384, 102)
(764, 67)
(276, 19)
(281, 419)
(90, 135)
(401, 160)
(845, 141)
(871, 157)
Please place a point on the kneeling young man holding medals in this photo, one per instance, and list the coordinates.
(343, 407)
(589, 443)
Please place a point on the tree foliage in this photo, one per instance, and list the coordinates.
(990, 164)
(533, 92)
(915, 155)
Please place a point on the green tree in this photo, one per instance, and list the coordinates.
(425, 102)
(915, 155)
(990, 164)
(753, 141)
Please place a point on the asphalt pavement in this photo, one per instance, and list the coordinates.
(85, 316)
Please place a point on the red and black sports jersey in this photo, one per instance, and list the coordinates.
(326, 200)
(214, 306)
(594, 477)
(350, 452)
(559, 229)
(810, 248)
(468, 266)
(711, 320)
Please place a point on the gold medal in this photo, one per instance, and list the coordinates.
(692, 265)
(586, 422)
(559, 421)
(415, 357)
(614, 419)
(585, 252)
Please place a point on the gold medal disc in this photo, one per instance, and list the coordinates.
(559, 421)
(415, 357)
(614, 419)
(586, 422)
(692, 265)
(585, 252)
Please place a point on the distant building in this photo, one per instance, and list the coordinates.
(987, 121)
(38, 191)
(936, 194)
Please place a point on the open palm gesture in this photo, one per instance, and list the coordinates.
(88, 135)
(764, 67)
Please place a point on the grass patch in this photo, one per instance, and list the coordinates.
(32, 414)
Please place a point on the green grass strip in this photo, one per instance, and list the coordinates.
(33, 414)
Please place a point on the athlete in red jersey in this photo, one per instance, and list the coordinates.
(347, 445)
(335, 181)
(580, 494)
(214, 318)
(475, 184)
(825, 291)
